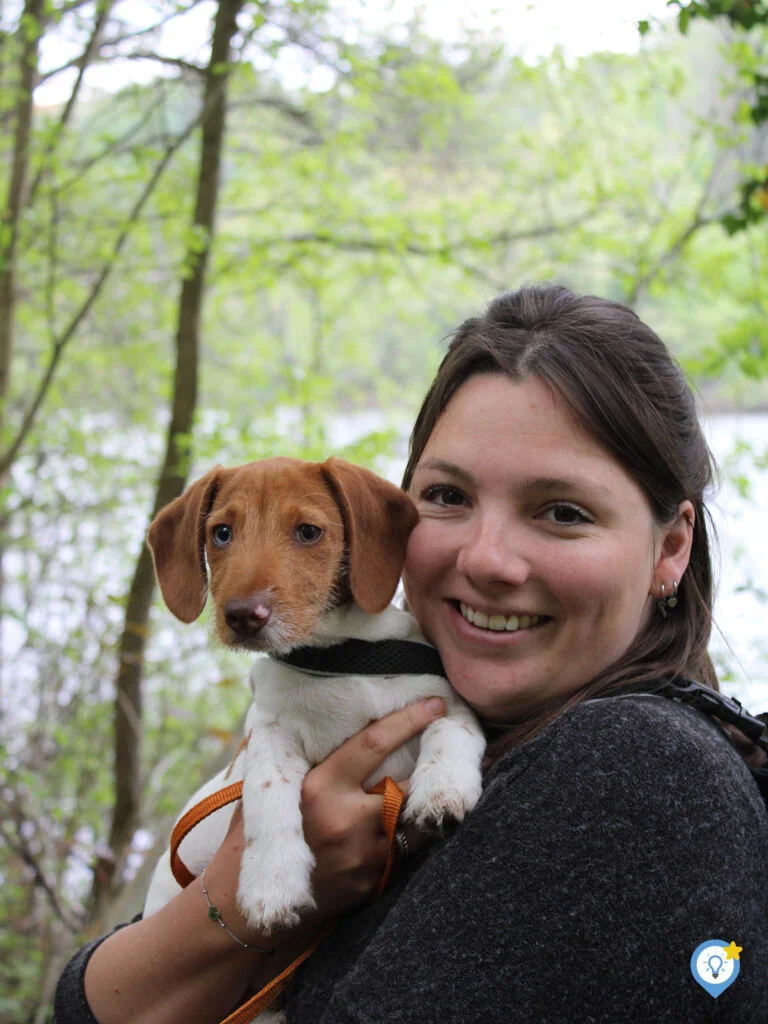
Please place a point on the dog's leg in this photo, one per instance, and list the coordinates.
(446, 781)
(277, 863)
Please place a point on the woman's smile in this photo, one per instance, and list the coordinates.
(500, 622)
(495, 629)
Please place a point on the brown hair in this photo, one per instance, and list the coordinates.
(620, 382)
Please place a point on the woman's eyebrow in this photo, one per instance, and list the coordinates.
(526, 486)
(555, 483)
(450, 468)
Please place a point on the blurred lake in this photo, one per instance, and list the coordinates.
(740, 444)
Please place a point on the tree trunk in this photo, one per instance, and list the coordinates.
(9, 227)
(173, 476)
(30, 31)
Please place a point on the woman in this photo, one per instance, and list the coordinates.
(561, 562)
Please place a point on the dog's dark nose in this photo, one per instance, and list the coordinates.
(246, 616)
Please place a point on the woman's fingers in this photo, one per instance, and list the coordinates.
(342, 823)
(359, 757)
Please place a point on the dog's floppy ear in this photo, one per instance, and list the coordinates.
(176, 539)
(378, 519)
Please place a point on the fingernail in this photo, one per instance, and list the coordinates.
(435, 706)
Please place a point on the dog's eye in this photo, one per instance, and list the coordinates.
(308, 534)
(221, 535)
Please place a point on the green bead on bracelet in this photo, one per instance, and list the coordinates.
(215, 915)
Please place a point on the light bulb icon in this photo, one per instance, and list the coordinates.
(715, 964)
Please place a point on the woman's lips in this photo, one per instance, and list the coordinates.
(515, 628)
(499, 622)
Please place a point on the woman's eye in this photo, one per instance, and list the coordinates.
(221, 535)
(565, 513)
(308, 534)
(443, 494)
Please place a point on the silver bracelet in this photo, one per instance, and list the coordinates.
(402, 842)
(215, 915)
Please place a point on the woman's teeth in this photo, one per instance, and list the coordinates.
(499, 623)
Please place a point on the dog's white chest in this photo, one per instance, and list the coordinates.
(321, 712)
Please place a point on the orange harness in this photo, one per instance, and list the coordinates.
(390, 811)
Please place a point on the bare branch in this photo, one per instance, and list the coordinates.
(114, 146)
(467, 242)
(313, 46)
(175, 62)
(666, 257)
(10, 215)
(61, 342)
(68, 8)
(136, 33)
(481, 275)
(116, 40)
(293, 113)
(303, 117)
(73, 5)
(21, 848)
(50, 285)
(87, 56)
(447, 249)
(45, 76)
(697, 222)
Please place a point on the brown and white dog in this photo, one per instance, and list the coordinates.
(299, 554)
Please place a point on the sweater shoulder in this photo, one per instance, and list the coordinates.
(637, 727)
(642, 749)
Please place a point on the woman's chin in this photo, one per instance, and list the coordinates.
(496, 672)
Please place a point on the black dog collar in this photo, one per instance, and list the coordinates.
(366, 658)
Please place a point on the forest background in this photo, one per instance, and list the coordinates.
(257, 249)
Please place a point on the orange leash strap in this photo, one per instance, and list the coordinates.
(266, 996)
(390, 812)
(193, 817)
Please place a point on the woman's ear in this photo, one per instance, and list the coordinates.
(674, 551)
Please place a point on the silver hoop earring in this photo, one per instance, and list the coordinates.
(664, 603)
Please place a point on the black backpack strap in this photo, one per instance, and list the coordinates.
(728, 710)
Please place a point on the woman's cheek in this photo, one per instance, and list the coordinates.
(427, 550)
(423, 559)
(411, 567)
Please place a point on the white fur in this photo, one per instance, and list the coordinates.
(295, 721)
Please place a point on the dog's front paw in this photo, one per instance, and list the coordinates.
(273, 889)
(438, 794)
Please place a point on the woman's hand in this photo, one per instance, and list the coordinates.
(342, 823)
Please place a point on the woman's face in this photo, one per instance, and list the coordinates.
(536, 556)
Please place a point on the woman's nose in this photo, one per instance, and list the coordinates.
(494, 552)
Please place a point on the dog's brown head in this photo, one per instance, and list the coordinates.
(285, 541)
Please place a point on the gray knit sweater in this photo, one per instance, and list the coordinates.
(601, 854)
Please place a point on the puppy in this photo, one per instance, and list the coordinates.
(303, 554)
